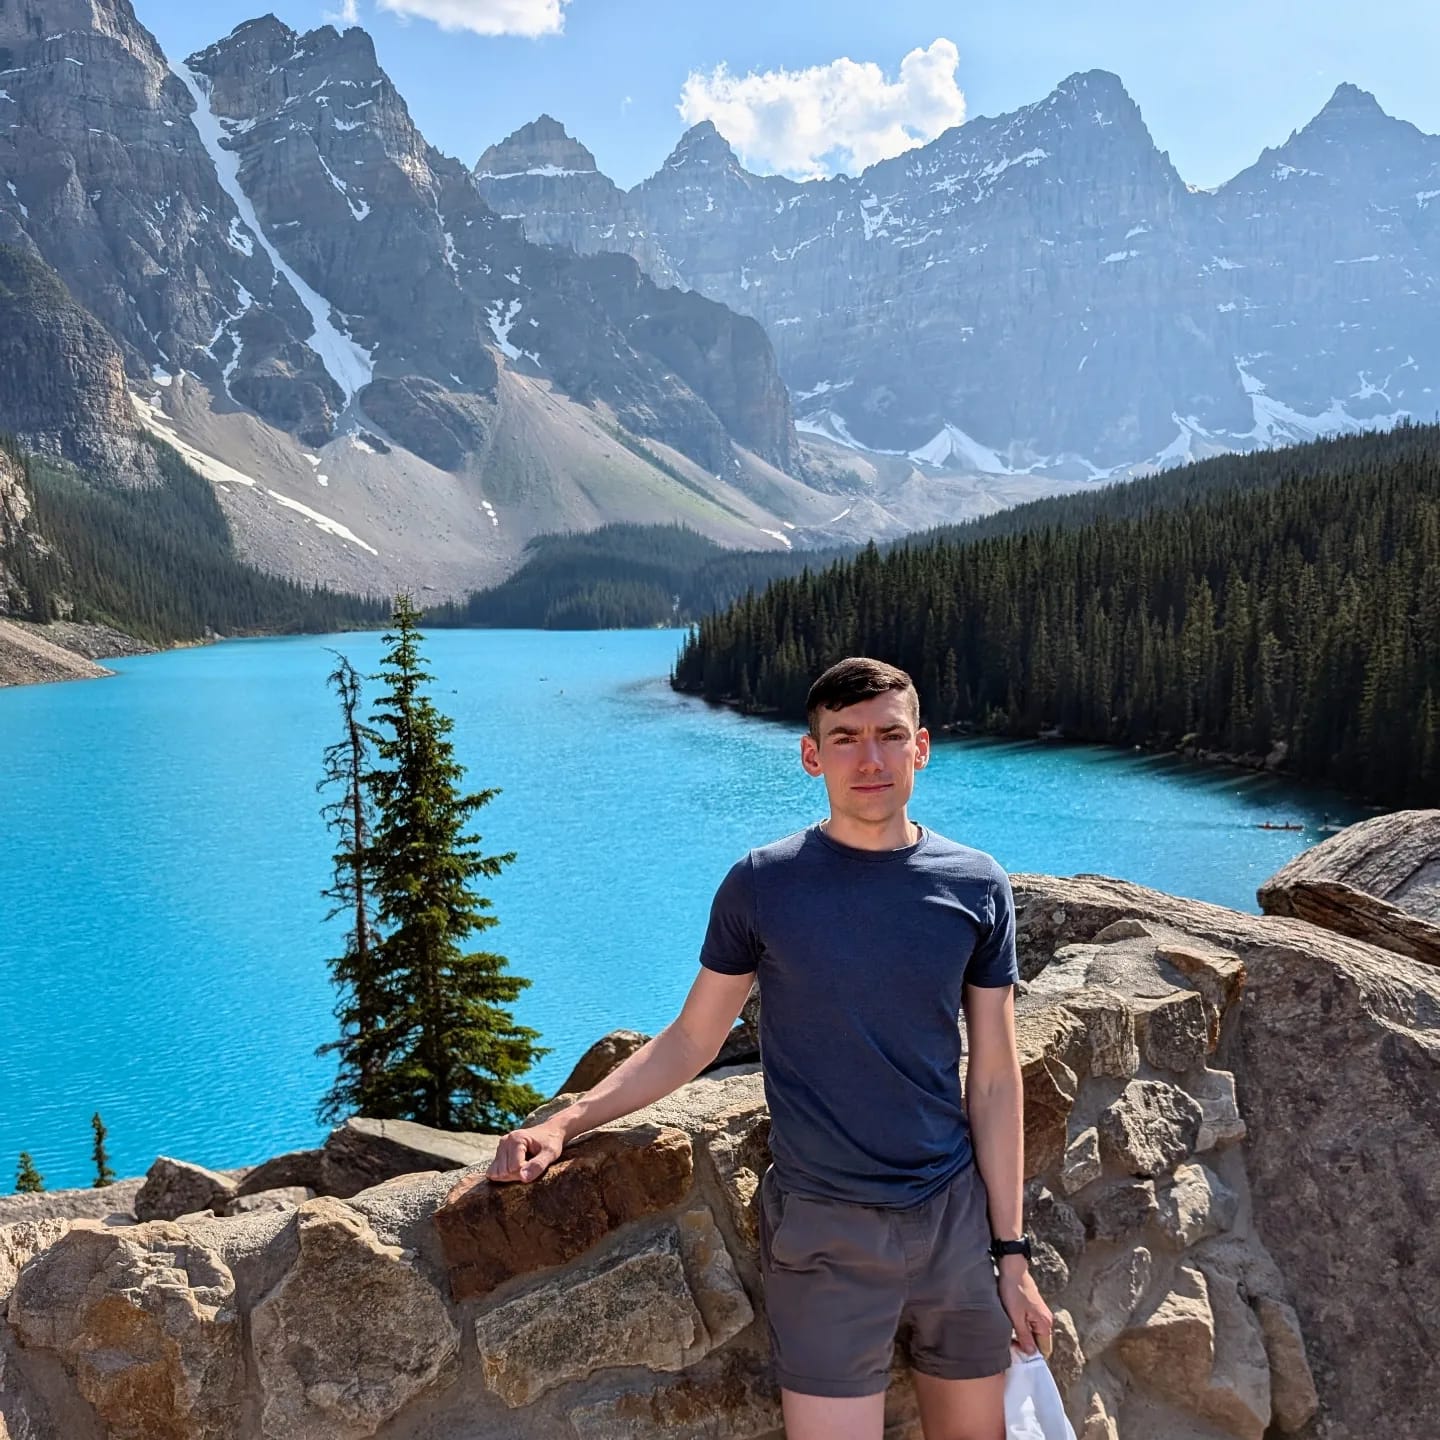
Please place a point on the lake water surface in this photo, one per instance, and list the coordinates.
(162, 945)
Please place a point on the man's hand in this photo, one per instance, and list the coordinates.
(527, 1154)
(1028, 1313)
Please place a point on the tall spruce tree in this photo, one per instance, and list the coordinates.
(28, 1180)
(362, 1044)
(454, 1053)
(104, 1175)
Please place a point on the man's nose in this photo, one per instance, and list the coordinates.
(870, 754)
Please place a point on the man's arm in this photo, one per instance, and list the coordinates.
(994, 1103)
(676, 1055)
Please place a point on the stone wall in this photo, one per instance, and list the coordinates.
(1169, 1056)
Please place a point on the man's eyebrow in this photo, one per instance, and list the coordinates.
(855, 730)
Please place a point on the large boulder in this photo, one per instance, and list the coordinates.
(492, 1231)
(364, 1152)
(174, 1188)
(1394, 858)
(600, 1059)
(350, 1335)
(283, 1172)
(143, 1319)
(1341, 1094)
(662, 1304)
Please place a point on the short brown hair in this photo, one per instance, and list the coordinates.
(852, 680)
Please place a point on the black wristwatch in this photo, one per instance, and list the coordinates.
(1010, 1247)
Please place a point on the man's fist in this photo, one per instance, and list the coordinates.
(526, 1154)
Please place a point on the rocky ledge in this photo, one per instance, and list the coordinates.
(1232, 1165)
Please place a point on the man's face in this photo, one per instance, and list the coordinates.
(868, 754)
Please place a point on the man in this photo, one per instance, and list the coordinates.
(869, 934)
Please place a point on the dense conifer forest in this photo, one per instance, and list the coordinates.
(153, 561)
(1283, 598)
(621, 577)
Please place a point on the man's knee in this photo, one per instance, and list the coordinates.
(829, 1417)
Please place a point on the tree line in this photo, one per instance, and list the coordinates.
(1289, 597)
(154, 561)
(621, 577)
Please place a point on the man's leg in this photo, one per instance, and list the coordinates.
(959, 1409)
(821, 1417)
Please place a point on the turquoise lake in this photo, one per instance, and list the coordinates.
(162, 940)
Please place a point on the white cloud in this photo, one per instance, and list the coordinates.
(347, 14)
(840, 116)
(486, 17)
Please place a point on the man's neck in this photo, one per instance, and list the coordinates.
(896, 833)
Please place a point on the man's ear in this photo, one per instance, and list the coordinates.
(810, 755)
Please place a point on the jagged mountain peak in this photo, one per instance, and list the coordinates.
(1350, 100)
(702, 144)
(30, 20)
(542, 147)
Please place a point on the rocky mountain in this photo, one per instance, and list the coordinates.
(1041, 292)
(386, 380)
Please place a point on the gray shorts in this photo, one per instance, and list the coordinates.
(844, 1281)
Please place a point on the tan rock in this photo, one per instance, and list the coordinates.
(1197, 1205)
(350, 1335)
(287, 1198)
(730, 1397)
(1120, 1210)
(142, 1318)
(1067, 1358)
(1127, 929)
(719, 1296)
(600, 1059)
(1045, 1034)
(1238, 1395)
(176, 1187)
(636, 1307)
(1293, 1398)
(1170, 1349)
(1220, 1120)
(491, 1232)
(1149, 1128)
(1172, 1031)
(1081, 1164)
(23, 1241)
(1114, 1294)
(737, 1141)
(295, 1169)
(1200, 1349)
(1218, 976)
(364, 1152)
(1109, 1046)
(1096, 1422)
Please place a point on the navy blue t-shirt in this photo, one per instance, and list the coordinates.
(861, 956)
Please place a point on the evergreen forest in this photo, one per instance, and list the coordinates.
(1286, 598)
(622, 577)
(154, 561)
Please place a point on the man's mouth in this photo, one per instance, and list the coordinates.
(866, 788)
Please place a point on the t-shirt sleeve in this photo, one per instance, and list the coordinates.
(993, 963)
(732, 943)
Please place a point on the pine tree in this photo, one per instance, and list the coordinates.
(454, 1052)
(28, 1180)
(362, 1045)
(104, 1175)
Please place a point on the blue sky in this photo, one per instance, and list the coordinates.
(1215, 82)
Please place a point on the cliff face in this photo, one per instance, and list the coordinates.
(62, 377)
(1039, 291)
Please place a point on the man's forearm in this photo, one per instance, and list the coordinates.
(997, 1130)
(659, 1066)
